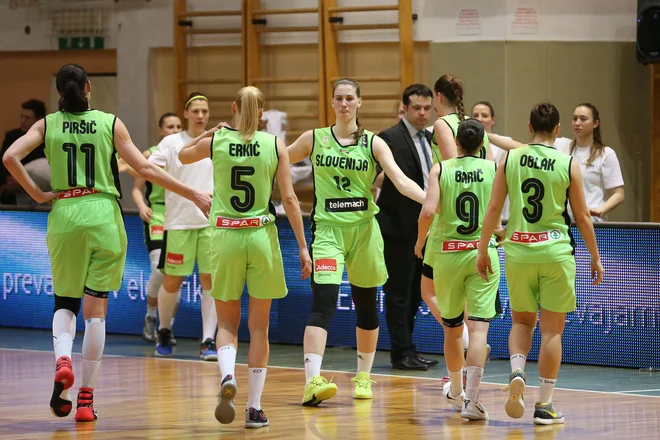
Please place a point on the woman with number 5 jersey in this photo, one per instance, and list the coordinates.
(86, 237)
(244, 245)
(539, 249)
(345, 232)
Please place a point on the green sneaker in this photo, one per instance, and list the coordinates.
(318, 390)
(362, 388)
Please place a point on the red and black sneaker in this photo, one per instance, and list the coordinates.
(86, 411)
(60, 403)
(255, 418)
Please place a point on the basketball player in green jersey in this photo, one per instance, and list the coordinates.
(244, 244)
(86, 237)
(152, 211)
(539, 249)
(345, 232)
(462, 187)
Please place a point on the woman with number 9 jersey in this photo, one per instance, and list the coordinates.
(244, 244)
(345, 232)
(86, 237)
(539, 249)
(461, 186)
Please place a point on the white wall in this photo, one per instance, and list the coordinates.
(135, 26)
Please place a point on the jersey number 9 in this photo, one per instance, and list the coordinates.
(467, 210)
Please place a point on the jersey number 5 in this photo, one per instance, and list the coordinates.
(534, 200)
(237, 183)
(467, 210)
(71, 151)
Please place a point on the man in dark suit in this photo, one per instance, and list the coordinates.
(411, 148)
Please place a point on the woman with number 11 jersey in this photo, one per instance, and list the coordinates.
(86, 237)
(244, 244)
(345, 232)
(540, 262)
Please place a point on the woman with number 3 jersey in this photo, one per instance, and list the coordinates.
(539, 249)
(244, 244)
(345, 232)
(86, 237)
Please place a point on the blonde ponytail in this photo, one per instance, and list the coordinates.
(249, 103)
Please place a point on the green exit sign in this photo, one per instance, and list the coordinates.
(81, 43)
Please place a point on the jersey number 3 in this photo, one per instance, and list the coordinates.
(237, 183)
(71, 151)
(534, 200)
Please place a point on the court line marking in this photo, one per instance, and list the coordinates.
(625, 393)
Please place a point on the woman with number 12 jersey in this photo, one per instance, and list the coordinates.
(540, 262)
(86, 237)
(244, 245)
(345, 232)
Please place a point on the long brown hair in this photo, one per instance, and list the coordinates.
(249, 103)
(452, 89)
(597, 148)
(351, 82)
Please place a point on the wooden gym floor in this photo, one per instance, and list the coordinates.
(139, 396)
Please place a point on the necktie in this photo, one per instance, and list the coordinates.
(427, 157)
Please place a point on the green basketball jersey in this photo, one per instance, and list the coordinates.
(155, 194)
(343, 176)
(538, 178)
(453, 121)
(465, 187)
(243, 174)
(81, 151)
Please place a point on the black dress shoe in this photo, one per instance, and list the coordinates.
(409, 363)
(426, 361)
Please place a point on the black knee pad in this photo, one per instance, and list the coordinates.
(453, 322)
(366, 309)
(66, 303)
(324, 304)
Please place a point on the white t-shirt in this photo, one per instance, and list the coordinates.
(181, 213)
(498, 155)
(604, 173)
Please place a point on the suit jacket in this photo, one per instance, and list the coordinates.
(398, 214)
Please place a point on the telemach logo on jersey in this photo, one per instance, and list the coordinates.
(535, 237)
(325, 265)
(176, 259)
(350, 204)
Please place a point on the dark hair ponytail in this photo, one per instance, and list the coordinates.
(71, 82)
(544, 118)
(451, 87)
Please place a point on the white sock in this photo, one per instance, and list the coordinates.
(256, 380)
(456, 378)
(227, 360)
(365, 361)
(151, 311)
(92, 350)
(547, 388)
(518, 361)
(171, 323)
(312, 366)
(209, 317)
(465, 337)
(64, 332)
(156, 278)
(473, 381)
(166, 304)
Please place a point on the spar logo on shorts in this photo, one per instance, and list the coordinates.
(535, 237)
(325, 265)
(174, 258)
(157, 230)
(238, 223)
(459, 245)
(77, 192)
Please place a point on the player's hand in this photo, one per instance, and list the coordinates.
(500, 235)
(203, 202)
(596, 212)
(222, 124)
(418, 249)
(483, 265)
(305, 263)
(146, 213)
(597, 271)
(47, 196)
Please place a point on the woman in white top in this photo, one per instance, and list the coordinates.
(599, 165)
(601, 172)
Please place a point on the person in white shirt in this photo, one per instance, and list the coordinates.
(601, 172)
(484, 112)
(187, 231)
